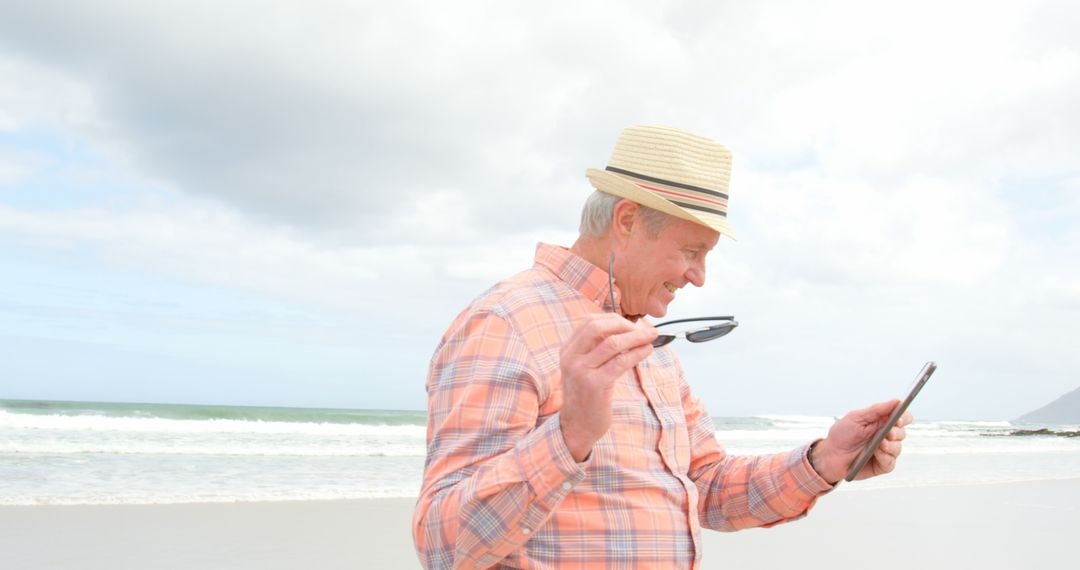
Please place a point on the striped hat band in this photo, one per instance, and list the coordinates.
(682, 195)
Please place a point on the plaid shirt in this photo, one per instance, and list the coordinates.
(502, 490)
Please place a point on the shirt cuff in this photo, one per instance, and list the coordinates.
(547, 465)
(807, 479)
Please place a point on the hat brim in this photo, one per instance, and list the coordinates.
(616, 185)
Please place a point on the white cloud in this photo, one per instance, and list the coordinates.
(918, 229)
(33, 95)
(209, 244)
(15, 166)
(213, 246)
(914, 95)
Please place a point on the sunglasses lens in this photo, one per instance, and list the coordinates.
(662, 340)
(713, 332)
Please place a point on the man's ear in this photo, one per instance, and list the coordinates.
(625, 218)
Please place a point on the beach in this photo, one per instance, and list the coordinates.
(987, 526)
(112, 486)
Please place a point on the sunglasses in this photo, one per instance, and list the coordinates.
(722, 326)
(696, 334)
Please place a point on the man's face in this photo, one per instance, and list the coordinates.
(651, 270)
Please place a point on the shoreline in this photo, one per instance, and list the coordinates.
(987, 525)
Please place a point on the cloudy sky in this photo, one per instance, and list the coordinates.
(286, 203)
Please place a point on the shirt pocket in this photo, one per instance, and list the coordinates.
(635, 430)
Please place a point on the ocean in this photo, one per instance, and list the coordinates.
(69, 453)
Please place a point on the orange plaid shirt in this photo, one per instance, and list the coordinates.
(502, 490)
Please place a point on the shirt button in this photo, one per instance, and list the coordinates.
(597, 303)
(566, 486)
(525, 530)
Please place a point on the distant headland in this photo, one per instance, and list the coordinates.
(1064, 410)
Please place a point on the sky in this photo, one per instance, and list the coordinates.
(271, 203)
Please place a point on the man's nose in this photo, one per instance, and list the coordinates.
(696, 275)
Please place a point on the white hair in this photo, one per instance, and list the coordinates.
(599, 209)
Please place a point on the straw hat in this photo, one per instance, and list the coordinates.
(670, 170)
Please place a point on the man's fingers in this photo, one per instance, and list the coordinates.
(868, 420)
(594, 328)
(878, 411)
(891, 448)
(603, 347)
(617, 343)
(885, 462)
(626, 360)
(897, 433)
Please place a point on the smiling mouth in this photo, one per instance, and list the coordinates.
(671, 288)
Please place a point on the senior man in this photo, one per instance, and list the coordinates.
(559, 437)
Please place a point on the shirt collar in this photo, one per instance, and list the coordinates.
(588, 279)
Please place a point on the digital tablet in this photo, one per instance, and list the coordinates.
(867, 453)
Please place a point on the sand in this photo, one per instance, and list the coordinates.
(993, 526)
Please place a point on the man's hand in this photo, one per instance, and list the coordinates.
(833, 456)
(603, 347)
